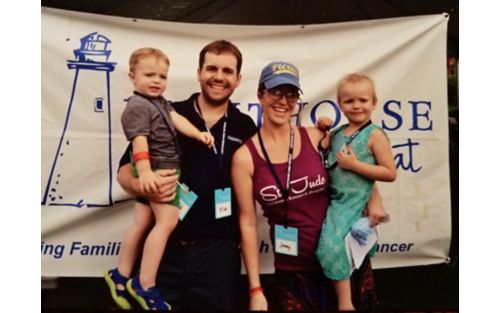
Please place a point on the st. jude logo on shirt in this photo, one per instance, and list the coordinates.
(301, 186)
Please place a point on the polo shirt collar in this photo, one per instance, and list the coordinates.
(194, 97)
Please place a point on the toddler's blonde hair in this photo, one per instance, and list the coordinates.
(143, 53)
(353, 79)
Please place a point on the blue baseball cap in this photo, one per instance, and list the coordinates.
(279, 73)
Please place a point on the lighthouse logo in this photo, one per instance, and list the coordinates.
(83, 155)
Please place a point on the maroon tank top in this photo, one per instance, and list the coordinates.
(308, 200)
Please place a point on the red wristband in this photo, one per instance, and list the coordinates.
(255, 290)
(140, 156)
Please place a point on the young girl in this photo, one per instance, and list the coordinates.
(360, 153)
(149, 122)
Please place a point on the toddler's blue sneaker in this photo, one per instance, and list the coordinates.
(148, 299)
(113, 279)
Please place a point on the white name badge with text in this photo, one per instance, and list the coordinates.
(223, 203)
(286, 240)
(186, 200)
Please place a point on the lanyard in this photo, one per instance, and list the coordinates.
(284, 191)
(220, 156)
(349, 140)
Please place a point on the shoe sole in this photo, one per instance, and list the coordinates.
(120, 301)
(140, 299)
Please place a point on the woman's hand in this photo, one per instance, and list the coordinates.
(258, 302)
(375, 207)
(324, 123)
(377, 215)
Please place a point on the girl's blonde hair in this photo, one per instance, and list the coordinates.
(353, 79)
(146, 52)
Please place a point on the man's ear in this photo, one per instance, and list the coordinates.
(238, 81)
(198, 73)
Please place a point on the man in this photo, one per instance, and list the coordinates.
(201, 264)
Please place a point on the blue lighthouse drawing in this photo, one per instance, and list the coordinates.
(81, 174)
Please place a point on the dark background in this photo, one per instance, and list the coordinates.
(268, 12)
(411, 289)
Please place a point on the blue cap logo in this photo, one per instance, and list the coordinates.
(279, 73)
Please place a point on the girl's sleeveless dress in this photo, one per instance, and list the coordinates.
(350, 193)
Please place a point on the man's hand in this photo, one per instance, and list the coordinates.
(166, 181)
(147, 182)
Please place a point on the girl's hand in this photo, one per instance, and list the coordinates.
(258, 302)
(347, 161)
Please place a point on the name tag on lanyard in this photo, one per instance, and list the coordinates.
(222, 196)
(223, 203)
(286, 240)
(186, 200)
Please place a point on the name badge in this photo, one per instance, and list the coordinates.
(222, 203)
(186, 200)
(286, 240)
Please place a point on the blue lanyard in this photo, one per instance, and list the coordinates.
(220, 157)
(284, 191)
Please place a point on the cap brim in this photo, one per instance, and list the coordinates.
(282, 80)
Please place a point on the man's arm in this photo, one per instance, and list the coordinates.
(167, 182)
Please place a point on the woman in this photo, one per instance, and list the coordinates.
(283, 160)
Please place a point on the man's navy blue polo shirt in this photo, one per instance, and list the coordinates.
(204, 172)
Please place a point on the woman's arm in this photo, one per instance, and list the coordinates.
(324, 124)
(241, 175)
(375, 207)
(318, 136)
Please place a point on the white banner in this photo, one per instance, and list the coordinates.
(85, 212)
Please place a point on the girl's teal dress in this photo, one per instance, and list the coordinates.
(349, 194)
